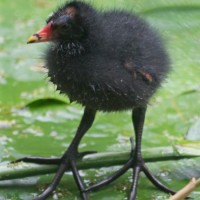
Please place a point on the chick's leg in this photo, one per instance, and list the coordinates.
(68, 160)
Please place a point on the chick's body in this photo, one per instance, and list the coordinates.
(117, 65)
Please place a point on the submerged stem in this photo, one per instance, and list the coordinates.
(10, 171)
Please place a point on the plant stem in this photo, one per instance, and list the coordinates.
(184, 192)
(19, 170)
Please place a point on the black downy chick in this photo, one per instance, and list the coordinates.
(106, 61)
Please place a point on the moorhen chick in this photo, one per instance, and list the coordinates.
(107, 61)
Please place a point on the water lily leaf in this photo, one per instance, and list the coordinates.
(188, 92)
(47, 127)
(45, 102)
(194, 131)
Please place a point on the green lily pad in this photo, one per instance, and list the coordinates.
(36, 120)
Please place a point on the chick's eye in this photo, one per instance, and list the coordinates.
(62, 21)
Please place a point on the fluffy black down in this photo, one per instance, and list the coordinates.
(117, 64)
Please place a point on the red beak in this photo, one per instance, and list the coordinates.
(43, 35)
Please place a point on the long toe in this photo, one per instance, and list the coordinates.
(135, 179)
(39, 160)
(140, 166)
(155, 181)
(111, 178)
(84, 196)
